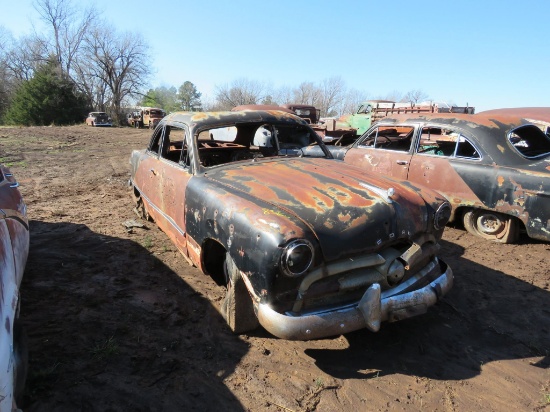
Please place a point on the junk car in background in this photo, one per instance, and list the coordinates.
(98, 119)
(307, 247)
(14, 248)
(493, 168)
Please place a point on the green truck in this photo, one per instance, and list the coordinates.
(371, 111)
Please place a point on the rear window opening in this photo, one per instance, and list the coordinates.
(530, 141)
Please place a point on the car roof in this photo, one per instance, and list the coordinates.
(201, 119)
(489, 130)
(536, 113)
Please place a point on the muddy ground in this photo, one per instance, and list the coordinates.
(118, 321)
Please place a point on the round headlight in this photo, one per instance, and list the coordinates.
(297, 257)
(442, 216)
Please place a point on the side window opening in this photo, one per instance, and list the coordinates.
(437, 141)
(154, 145)
(530, 141)
(174, 148)
(398, 138)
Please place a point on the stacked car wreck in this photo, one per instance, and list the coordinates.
(307, 247)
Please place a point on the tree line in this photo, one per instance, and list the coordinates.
(82, 63)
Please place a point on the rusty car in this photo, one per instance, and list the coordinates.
(147, 117)
(98, 119)
(14, 248)
(493, 168)
(306, 247)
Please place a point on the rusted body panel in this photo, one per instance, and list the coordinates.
(232, 199)
(498, 173)
(14, 247)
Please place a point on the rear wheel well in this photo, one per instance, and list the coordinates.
(213, 258)
(461, 211)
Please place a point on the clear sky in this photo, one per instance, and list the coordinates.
(487, 53)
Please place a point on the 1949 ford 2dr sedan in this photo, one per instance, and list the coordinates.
(307, 247)
(493, 167)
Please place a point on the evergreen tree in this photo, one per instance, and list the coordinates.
(47, 98)
(189, 97)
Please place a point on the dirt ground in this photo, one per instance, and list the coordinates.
(118, 321)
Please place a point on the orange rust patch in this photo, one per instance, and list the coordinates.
(344, 218)
(500, 180)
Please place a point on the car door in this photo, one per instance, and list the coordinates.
(174, 174)
(442, 155)
(384, 149)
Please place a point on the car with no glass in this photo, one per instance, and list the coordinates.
(306, 247)
(494, 167)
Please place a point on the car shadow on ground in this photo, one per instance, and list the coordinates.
(111, 327)
(487, 316)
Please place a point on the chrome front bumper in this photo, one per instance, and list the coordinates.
(372, 309)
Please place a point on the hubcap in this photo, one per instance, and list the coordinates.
(490, 224)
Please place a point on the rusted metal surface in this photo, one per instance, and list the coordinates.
(240, 197)
(502, 174)
(14, 247)
(537, 115)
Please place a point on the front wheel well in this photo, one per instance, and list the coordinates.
(213, 259)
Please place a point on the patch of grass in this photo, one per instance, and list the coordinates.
(546, 397)
(319, 382)
(10, 162)
(105, 349)
(147, 242)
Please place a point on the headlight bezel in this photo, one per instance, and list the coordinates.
(291, 247)
(443, 213)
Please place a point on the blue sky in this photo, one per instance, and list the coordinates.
(487, 53)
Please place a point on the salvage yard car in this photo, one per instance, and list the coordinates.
(14, 248)
(307, 247)
(98, 119)
(494, 168)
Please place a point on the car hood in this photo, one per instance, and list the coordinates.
(347, 210)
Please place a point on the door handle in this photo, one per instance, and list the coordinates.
(16, 184)
(402, 162)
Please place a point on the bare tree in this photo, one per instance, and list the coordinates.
(352, 99)
(24, 56)
(415, 96)
(68, 28)
(307, 93)
(120, 62)
(241, 91)
(283, 95)
(333, 91)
